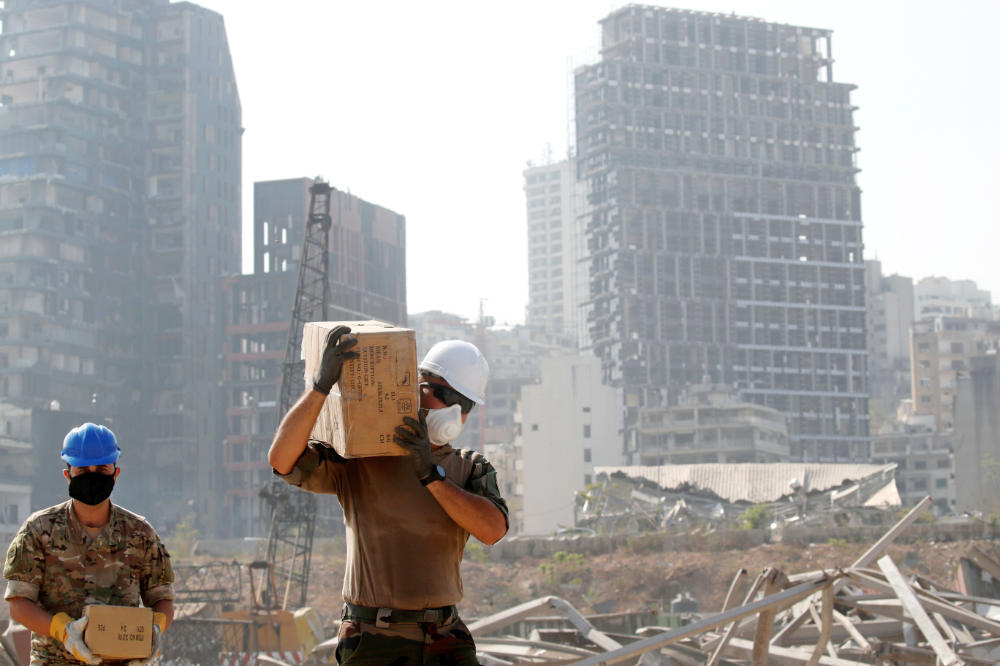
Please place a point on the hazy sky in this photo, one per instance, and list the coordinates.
(433, 109)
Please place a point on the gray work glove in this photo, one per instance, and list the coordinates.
(415, 441)
(334, 355)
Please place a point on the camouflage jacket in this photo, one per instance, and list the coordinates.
(52, 562)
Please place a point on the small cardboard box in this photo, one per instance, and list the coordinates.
(119, 632)
(375, 391)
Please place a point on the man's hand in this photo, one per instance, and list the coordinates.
(415, 440)
(69, 632)
(334, 355)
(159, 626)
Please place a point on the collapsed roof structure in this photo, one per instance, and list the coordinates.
(631, 499)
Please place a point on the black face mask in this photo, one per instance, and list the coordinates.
(91, 487)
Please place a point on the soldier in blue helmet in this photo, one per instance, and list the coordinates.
(85, 551)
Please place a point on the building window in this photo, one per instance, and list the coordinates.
(534, 426)
(920, 464)
(586, 431)
(587, 480)
(586, 410)
(586, 455)
(940, 483)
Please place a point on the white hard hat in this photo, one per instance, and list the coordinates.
(462, 365)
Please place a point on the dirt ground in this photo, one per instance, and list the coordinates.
(632, 581)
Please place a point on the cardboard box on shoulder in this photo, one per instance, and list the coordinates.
(119, 632)
(375, 391)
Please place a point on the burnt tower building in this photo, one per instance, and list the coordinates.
(723, 221)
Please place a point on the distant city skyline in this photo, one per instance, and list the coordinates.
(435, 110)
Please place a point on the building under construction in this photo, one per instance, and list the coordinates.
(723, 221)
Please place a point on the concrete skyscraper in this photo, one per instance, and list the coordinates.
(120, 141)
(557, 276)
(889, 300)
(723, 221)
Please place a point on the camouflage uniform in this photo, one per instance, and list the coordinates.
(53, 562)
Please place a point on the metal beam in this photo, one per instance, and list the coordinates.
(498, 621)
(948, 610)
(875, 552)
(737, 579)
(783, 656)
(731, 629)
(826, 627)
(917, 612)
(777, 601)
(849, 627)
(765, 624)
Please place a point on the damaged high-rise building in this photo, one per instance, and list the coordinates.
(120, 141)
(723, 221)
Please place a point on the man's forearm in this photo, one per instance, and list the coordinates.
(293, 432)
(165, 606)
(475, 514)
(30, 614)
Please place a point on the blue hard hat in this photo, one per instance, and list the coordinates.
(90, 444)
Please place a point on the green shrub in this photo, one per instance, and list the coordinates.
(755, 517)
(476, 552)
(564, 568)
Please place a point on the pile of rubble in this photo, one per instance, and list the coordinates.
(867, 613)
(634, 500)
(870, 612)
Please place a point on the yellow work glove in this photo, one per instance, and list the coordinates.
(69, 632)
(159, 626)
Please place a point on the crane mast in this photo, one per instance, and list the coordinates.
(293, 511)
(312, 292)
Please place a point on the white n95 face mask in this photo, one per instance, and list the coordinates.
(444, 425)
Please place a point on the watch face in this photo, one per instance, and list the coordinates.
(436, 474)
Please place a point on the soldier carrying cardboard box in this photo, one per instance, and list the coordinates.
(408, 517)
(85, 551)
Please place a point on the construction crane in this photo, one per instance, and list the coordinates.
(293, 511)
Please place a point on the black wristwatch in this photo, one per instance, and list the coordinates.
(436, 474)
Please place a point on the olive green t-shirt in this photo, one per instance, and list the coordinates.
(403, 550)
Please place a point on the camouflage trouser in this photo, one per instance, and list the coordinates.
(406, 643)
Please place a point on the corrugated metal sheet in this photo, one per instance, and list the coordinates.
(888, 496)
(751, 482)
